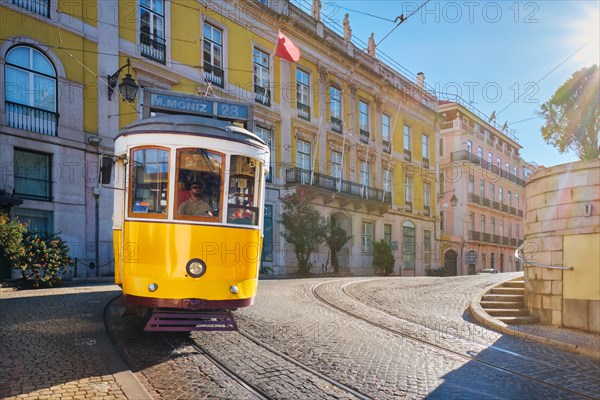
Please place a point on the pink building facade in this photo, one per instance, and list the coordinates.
(481, 194)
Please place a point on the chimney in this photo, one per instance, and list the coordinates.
(421, 80)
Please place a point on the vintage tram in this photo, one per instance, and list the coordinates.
(187, 221)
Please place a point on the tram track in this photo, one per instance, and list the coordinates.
(256, 389)
(404, 335)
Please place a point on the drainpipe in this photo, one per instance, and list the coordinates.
(97, 230)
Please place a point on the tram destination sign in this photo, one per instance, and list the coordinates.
(180, 103)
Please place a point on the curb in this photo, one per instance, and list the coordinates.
(484, 318)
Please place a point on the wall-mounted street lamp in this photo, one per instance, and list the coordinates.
(128, 88)
(453, 199)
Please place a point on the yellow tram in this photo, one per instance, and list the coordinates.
(187, 224)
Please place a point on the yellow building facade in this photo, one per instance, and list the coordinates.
(357, 136)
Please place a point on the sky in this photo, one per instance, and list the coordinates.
(507, 57)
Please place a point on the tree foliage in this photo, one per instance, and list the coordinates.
(11, 236)
(383, 258)
(572, 115)
(304, 228)
(335, 238)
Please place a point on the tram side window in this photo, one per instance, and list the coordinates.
(243, 191)
(150, 182)
(200, 174)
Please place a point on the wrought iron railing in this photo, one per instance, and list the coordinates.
(336, 124)
(464, 155)
(330, 183)
(31, 119)
(153, 47)
(214, 75)
(303, 111)
(364, 136)
(262, 95)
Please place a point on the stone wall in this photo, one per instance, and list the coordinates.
(562, 228)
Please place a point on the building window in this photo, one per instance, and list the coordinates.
(408, 193)
(492, 226)
(471, 183)
(30, 90)
(33, 176)
(482, 188)
(387, 234)
(427, 248)
(518, 233)
(303, 94)
(36, 220)
(500, 194)
(480, 152)
(152, 26)
(441, 147)
(442, 221)
(40, 7)
(507, 168)
(499, 165)
(387, 180)
(425, 150)
(262, 93)
(266, 135)
(492, 192)
(336, 167)
(407, 152)
(303, 155)
(335, 108)
(408, 245)
(482, 221)
(517, 201)
(367, 237)
(490, 159)
(385, 133)
(508, 199)
(469, 147)
(426, 198)
(501, 228)
(213, 55)
(363, 121)
(364, 174)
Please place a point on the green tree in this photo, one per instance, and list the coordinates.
(572, 115)
(383, 259)
(335, 238)
(11, 236)
(304, 228)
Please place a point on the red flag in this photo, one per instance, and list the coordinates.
(286, 49)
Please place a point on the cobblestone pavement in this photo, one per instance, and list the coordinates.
(54, 346)
(376, 362)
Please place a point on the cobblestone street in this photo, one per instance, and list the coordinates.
(427, 346)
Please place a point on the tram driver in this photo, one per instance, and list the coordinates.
(196, 205)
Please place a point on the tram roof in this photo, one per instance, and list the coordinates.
(192, 125)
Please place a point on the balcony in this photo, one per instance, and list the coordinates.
(491, 238)
(330, 187)
(482, 201)
(364, 136)
(214, 75)
(387, 146)
(262, 95)
(304, 111)
(336, 125)
(425, 162)
(40, 7)
(426, 211)
(31, 119)
(153, 47)
(464, 155)
(407, 155)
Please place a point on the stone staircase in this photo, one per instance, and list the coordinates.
(506, 303)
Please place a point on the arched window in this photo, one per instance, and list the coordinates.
(30, 91)
(409, 244)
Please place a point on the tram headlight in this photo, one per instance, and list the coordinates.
(233, 289)
(152, 287)
(195, 268)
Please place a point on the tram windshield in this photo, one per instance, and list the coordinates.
(150, 182)
(199, 174)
